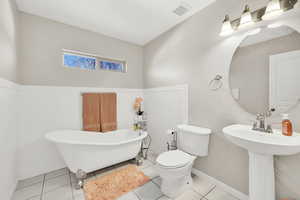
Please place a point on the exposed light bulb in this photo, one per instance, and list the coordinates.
(273, 9)
(246, 18)
(226, 27)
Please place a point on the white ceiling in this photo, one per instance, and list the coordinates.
(267, 34)
(135, 21)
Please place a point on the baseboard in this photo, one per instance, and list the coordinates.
(222, 185)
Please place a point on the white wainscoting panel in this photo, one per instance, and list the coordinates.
(8, 138)
(166, 107)
(46, 108)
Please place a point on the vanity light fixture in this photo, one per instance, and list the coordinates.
(273, 9)
(246, 18)
(227, 28)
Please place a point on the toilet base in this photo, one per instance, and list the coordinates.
(175, 187)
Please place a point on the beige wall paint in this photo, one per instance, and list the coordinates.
(193, 53)
(8, 40)
(42, 41)
(249, 70)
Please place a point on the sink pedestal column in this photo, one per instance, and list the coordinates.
(261, 177)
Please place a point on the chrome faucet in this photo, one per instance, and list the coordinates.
(260, 123)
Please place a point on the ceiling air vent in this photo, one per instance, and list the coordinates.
(182, 9)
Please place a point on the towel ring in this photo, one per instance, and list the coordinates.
(216, 83)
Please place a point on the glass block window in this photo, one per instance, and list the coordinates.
(74, 59)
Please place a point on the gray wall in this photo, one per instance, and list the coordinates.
(42, 41)
(193, 53)
(250, 70)
(8, 40)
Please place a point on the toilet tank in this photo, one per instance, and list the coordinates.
(193, 139)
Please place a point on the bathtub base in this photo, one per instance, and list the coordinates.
(139, 159)
(90, 151)
(80, 176)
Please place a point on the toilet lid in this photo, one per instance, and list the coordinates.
(174, 159)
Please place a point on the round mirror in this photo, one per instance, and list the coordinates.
(265, 71)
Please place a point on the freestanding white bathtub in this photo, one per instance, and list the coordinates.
(90, 151)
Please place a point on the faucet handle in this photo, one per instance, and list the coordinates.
(259, 116)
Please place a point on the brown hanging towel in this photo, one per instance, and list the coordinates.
(99, 112)
(108, 112)
(91, 112)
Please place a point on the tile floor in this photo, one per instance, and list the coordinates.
(60, 185)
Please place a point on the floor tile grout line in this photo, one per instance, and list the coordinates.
(159, 197)
(136, 195)
(43, 177)
(198, 193)
(43, 185)
(70, 180)
(210, 191)
(155, 183)
(46, 192)
(203, 198)
(56, 176)
(32, 184)
(52, 172)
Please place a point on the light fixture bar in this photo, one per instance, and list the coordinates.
(257, 14)
(248, 17)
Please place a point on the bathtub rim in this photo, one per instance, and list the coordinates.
(55, 140)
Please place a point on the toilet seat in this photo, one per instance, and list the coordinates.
(174, 159)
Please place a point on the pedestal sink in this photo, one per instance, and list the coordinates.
(262, 147)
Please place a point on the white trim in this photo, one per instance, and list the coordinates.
(88, 89)
(167, 88)
(8, 84)
(74, 52)
(222, 185)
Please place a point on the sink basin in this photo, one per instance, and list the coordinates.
(261, 147)
(263, 143)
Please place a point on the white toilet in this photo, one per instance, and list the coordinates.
(174, 167)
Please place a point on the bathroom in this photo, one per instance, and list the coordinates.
(173, 58)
